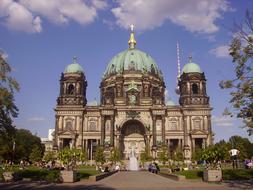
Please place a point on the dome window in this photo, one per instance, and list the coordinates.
(71, 89)
(195, 89)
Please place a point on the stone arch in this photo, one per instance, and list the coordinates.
(132, 134)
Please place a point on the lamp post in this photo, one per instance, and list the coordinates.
(13, 151)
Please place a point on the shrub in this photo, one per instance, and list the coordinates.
(40, 174)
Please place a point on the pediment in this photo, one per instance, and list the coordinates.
(67, 133)
(198, 132)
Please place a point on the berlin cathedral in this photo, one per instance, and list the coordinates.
(133, 113)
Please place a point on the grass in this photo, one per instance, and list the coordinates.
(38, 174)
(86, 173)
(191, 174)
(240, 174)
(227, 174)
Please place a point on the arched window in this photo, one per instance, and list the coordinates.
(131, 66)
(93, 126)
(195, 89)
(68, 125)
(197, 123)
(71, 89)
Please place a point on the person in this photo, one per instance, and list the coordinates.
(117, 168)
(150, 167)
(234, 156)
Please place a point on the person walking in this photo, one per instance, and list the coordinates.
(234, 156)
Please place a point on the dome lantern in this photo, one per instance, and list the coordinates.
(74, 67)
(132, 42)
(191, 67)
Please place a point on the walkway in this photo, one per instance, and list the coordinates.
(130, 180)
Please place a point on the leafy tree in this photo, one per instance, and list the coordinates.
(243, 145)
(35, 155)
(241, 50)
(115, 155)
(8, 110)
(197, 154)
(213, 154)
(69, 157)
(49, 156)
(99, 156)
(177, 155)
(25, 141)
(163, 155)
(145, 156)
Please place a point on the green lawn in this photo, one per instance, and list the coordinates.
(191, 174)
(240, 174)
(227, 174)
(37, 174)
(86, 172)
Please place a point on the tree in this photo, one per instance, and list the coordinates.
(25, 142)
(163, 155)
(8, 110)
(35, 155)
(8, 85)
(243, 145)
(69, 157)
(49, 156)
(99, 156)
(145, 156)
(115, 155)
(241, 50)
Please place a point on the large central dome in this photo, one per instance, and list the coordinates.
(132, 59)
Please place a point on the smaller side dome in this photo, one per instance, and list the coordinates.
(74, 67)
(191, 67)
(93, 103)
(170, 103)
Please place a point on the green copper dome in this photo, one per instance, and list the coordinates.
(191, 68)
(132, 60)
(170, 103)
(74, 67)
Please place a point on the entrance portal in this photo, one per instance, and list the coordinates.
(132, 139)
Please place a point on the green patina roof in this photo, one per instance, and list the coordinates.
(74, 67)
(170, 103)
(191, 68)
(93, 103)
(132, 59)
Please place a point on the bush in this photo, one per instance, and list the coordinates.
(240, 174)
(191, 174)
(40, 174)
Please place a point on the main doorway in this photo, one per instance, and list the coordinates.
(132, 139)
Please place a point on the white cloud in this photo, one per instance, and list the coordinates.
(221, 51)
(223, 121)
(194, 15)
(17, 17)
(36, 119)
(27, 15)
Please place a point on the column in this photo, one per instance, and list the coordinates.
(55, 147)
(154, 130)
(102, 130)
(163, 130)
(209, 141)
(112, 131)
(193, 144)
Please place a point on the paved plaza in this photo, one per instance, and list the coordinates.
(131, 180)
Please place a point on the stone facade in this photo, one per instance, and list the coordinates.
(133, 113)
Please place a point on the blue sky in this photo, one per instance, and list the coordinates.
(40, 38)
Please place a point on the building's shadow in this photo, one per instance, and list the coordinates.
(39, 186)
(240, 184)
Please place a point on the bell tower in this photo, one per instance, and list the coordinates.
(192, 86)
(73, 86)
(69, 108)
